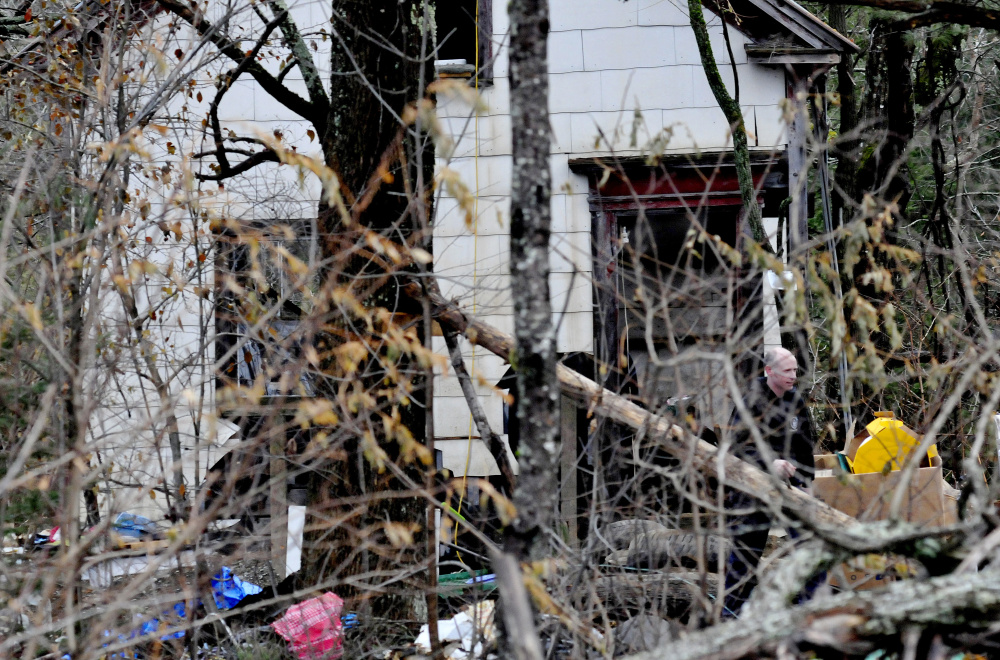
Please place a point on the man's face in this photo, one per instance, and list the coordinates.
(781, 375)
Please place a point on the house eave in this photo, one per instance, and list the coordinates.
(803, 24)
(782, 55)
(760, 19)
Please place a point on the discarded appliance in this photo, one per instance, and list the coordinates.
(464, 636)
(313, 628)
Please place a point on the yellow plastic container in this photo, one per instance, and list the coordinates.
(890, 444)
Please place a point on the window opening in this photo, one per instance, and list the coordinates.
(264, 268)
(457, 42)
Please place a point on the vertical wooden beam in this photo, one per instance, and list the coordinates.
(605, 264)
(485, 27)
(567, 469)
(279, 506)
(798, 131)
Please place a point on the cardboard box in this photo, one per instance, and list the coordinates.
(928, 502)
(870, 572)
(868, 496)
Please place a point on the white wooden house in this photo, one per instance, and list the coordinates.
(626, 82)
(626, 86)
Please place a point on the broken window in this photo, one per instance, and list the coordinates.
(464, 38)
(267, 279)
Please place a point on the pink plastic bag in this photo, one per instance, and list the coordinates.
(313, 628)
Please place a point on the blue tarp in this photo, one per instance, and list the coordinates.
(129, 524)
(229, 590)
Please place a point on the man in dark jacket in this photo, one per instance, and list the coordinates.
(780, 414)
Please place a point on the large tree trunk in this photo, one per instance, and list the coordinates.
(534, 355)
(379, 66)
(535, 496)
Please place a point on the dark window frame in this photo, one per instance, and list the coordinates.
(485, 72)
(253, 356)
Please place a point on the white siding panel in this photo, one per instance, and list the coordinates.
(493, 218)
(451, 419)
(452, 101)
(663, 12)
(293, 133)
(758, 85)
(267, 108)
(576, 333)
(565, 180)
(562, 135)
(448, 385)
(697, 128)
(583, 14)
(456, 454)
(627, 48)
(498, 177)
(483, 364)
(496, 97)
(459, 256)
(702, 96)
(565, 51)
(489, 293)
(570, 253)
(501, 20)
(237, 103)
(570, 292)
(687, 47)
(558, 205)
(771, 127)
(501, 57)
(461, 132)
(575, 92)
(761, 85)
(616, 129)
(578, 216)
(494, 174)
(662, 87)
(282, 192)
(502, 322)
(494, 136)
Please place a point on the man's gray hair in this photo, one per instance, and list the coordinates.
(772, 354)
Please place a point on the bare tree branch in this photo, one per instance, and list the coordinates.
(930, 13)
(489, 437)
(269, 83)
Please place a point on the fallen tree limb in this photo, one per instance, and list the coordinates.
(669, 592)
(850, 622)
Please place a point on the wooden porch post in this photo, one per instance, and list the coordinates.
(567, 470)
(279, 507)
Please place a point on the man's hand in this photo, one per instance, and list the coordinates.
(784, 468)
